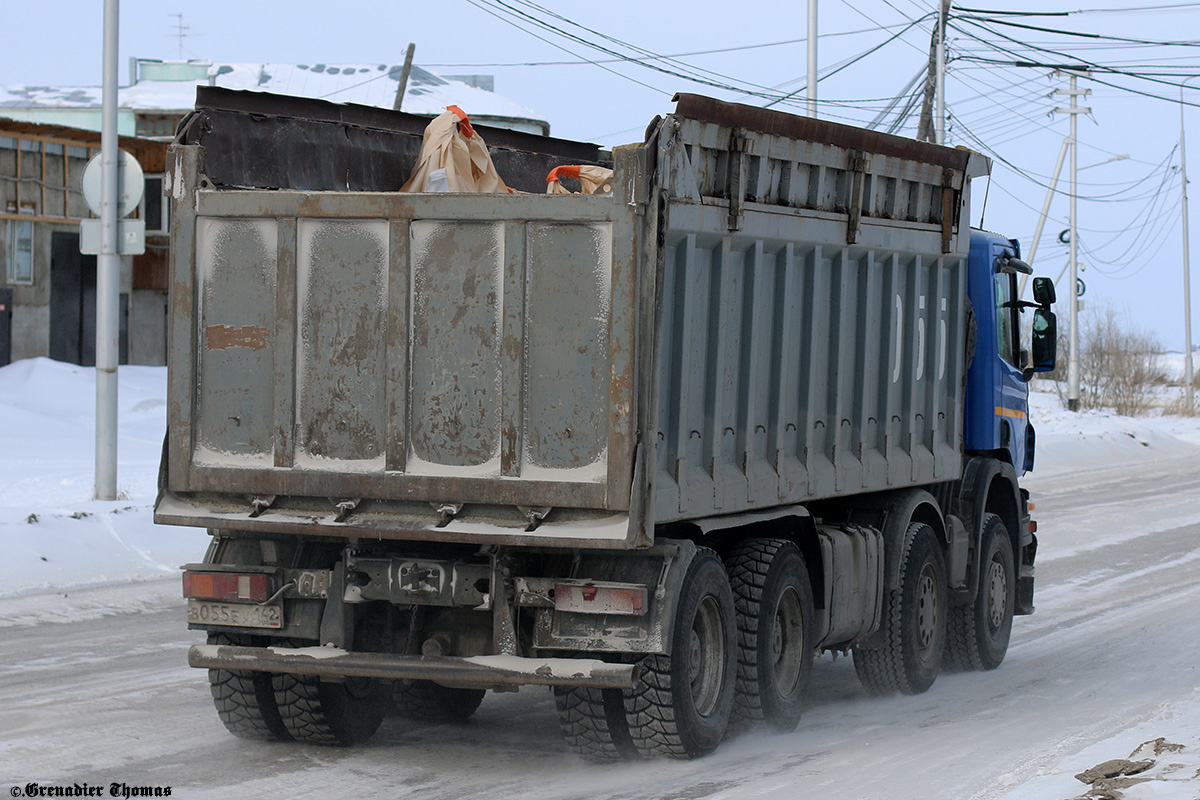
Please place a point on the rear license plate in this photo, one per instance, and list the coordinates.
(238, 615)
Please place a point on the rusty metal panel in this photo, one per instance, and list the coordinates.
(457, 310)
(236, 272)
(567, 379)
(341, 313)
(352, 348)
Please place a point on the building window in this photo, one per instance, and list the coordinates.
(156, 127)
(20, 254)
(155, 207)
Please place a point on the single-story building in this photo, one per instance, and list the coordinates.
(47, 287)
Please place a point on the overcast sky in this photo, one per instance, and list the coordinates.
(1129, 211)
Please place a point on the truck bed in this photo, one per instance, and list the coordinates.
(766, 311)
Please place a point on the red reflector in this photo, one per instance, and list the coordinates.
(1033, 526)
(600, 598)
(224, 586)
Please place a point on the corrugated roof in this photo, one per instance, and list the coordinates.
(371, 84)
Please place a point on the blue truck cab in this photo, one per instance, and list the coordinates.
(996, 418)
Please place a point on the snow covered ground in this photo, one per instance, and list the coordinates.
(68, 558)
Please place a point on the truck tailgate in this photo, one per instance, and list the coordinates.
(382, 353)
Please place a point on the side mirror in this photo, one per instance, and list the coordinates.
(1045, 337)
(1043, 292)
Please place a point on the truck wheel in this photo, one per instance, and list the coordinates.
(593, 723)
(681, 705)
(431, 702)
(909, 656)
(977, 634)
(323, 712)
(773, 598)
(244, 699)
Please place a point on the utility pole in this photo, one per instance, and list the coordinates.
(812, 58)
(408, 58)
(935, 83)
(1188, 375)
(925, 121)
(108, 270)
(1072, 292)
(943, 13)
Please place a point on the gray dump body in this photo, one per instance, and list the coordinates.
(572, 370)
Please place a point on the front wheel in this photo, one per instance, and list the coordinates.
(908, 658)
(681, 705)
(978, 633)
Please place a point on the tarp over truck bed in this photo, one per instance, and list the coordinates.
(767, 310)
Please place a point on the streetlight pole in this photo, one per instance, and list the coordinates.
(812, 58)
(108, 271)
(1187, 289)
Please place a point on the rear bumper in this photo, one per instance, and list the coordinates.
(476, 671)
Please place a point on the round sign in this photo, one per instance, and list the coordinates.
(131, 184)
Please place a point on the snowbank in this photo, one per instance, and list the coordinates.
(56, 538)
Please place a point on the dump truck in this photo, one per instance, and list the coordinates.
(656, 448)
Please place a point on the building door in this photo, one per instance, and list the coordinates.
(5, 326)
(73, 304)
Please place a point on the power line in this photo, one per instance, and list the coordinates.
(715, 51)
(1082, 35)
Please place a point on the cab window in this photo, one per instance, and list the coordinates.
(1006, 317)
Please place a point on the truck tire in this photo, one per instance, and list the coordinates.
(427, 701)
(324, 712)
(908, 658)
(773, 598)
(977, 634)
(682, 703)
(593, 723)
(244, 699)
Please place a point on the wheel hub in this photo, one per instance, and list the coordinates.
(927, 610)
(997, 594)
(787, 643)
(706, 656)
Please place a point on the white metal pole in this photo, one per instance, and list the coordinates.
(943, 9)
(108, 271)
(1037, 233)
(812, 58)
(1187, 289)
(1073, 289)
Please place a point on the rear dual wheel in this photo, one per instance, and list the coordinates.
(244, 699)
(427, 701)
(682, 703)
(978, 633)
(773, 597)
(913, 632)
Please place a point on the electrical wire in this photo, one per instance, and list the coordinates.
(716, 51)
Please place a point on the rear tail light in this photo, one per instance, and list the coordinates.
(224, 586)
(600, 598)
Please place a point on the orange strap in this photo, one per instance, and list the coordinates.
(464, 125)
(565, 171)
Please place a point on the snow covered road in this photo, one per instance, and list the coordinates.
(1111, 656)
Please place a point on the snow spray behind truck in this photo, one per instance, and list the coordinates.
(654, 449)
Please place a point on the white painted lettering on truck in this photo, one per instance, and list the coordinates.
(942, 340)
(921, 339)
(899, 338)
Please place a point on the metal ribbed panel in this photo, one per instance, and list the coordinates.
(792, 372)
